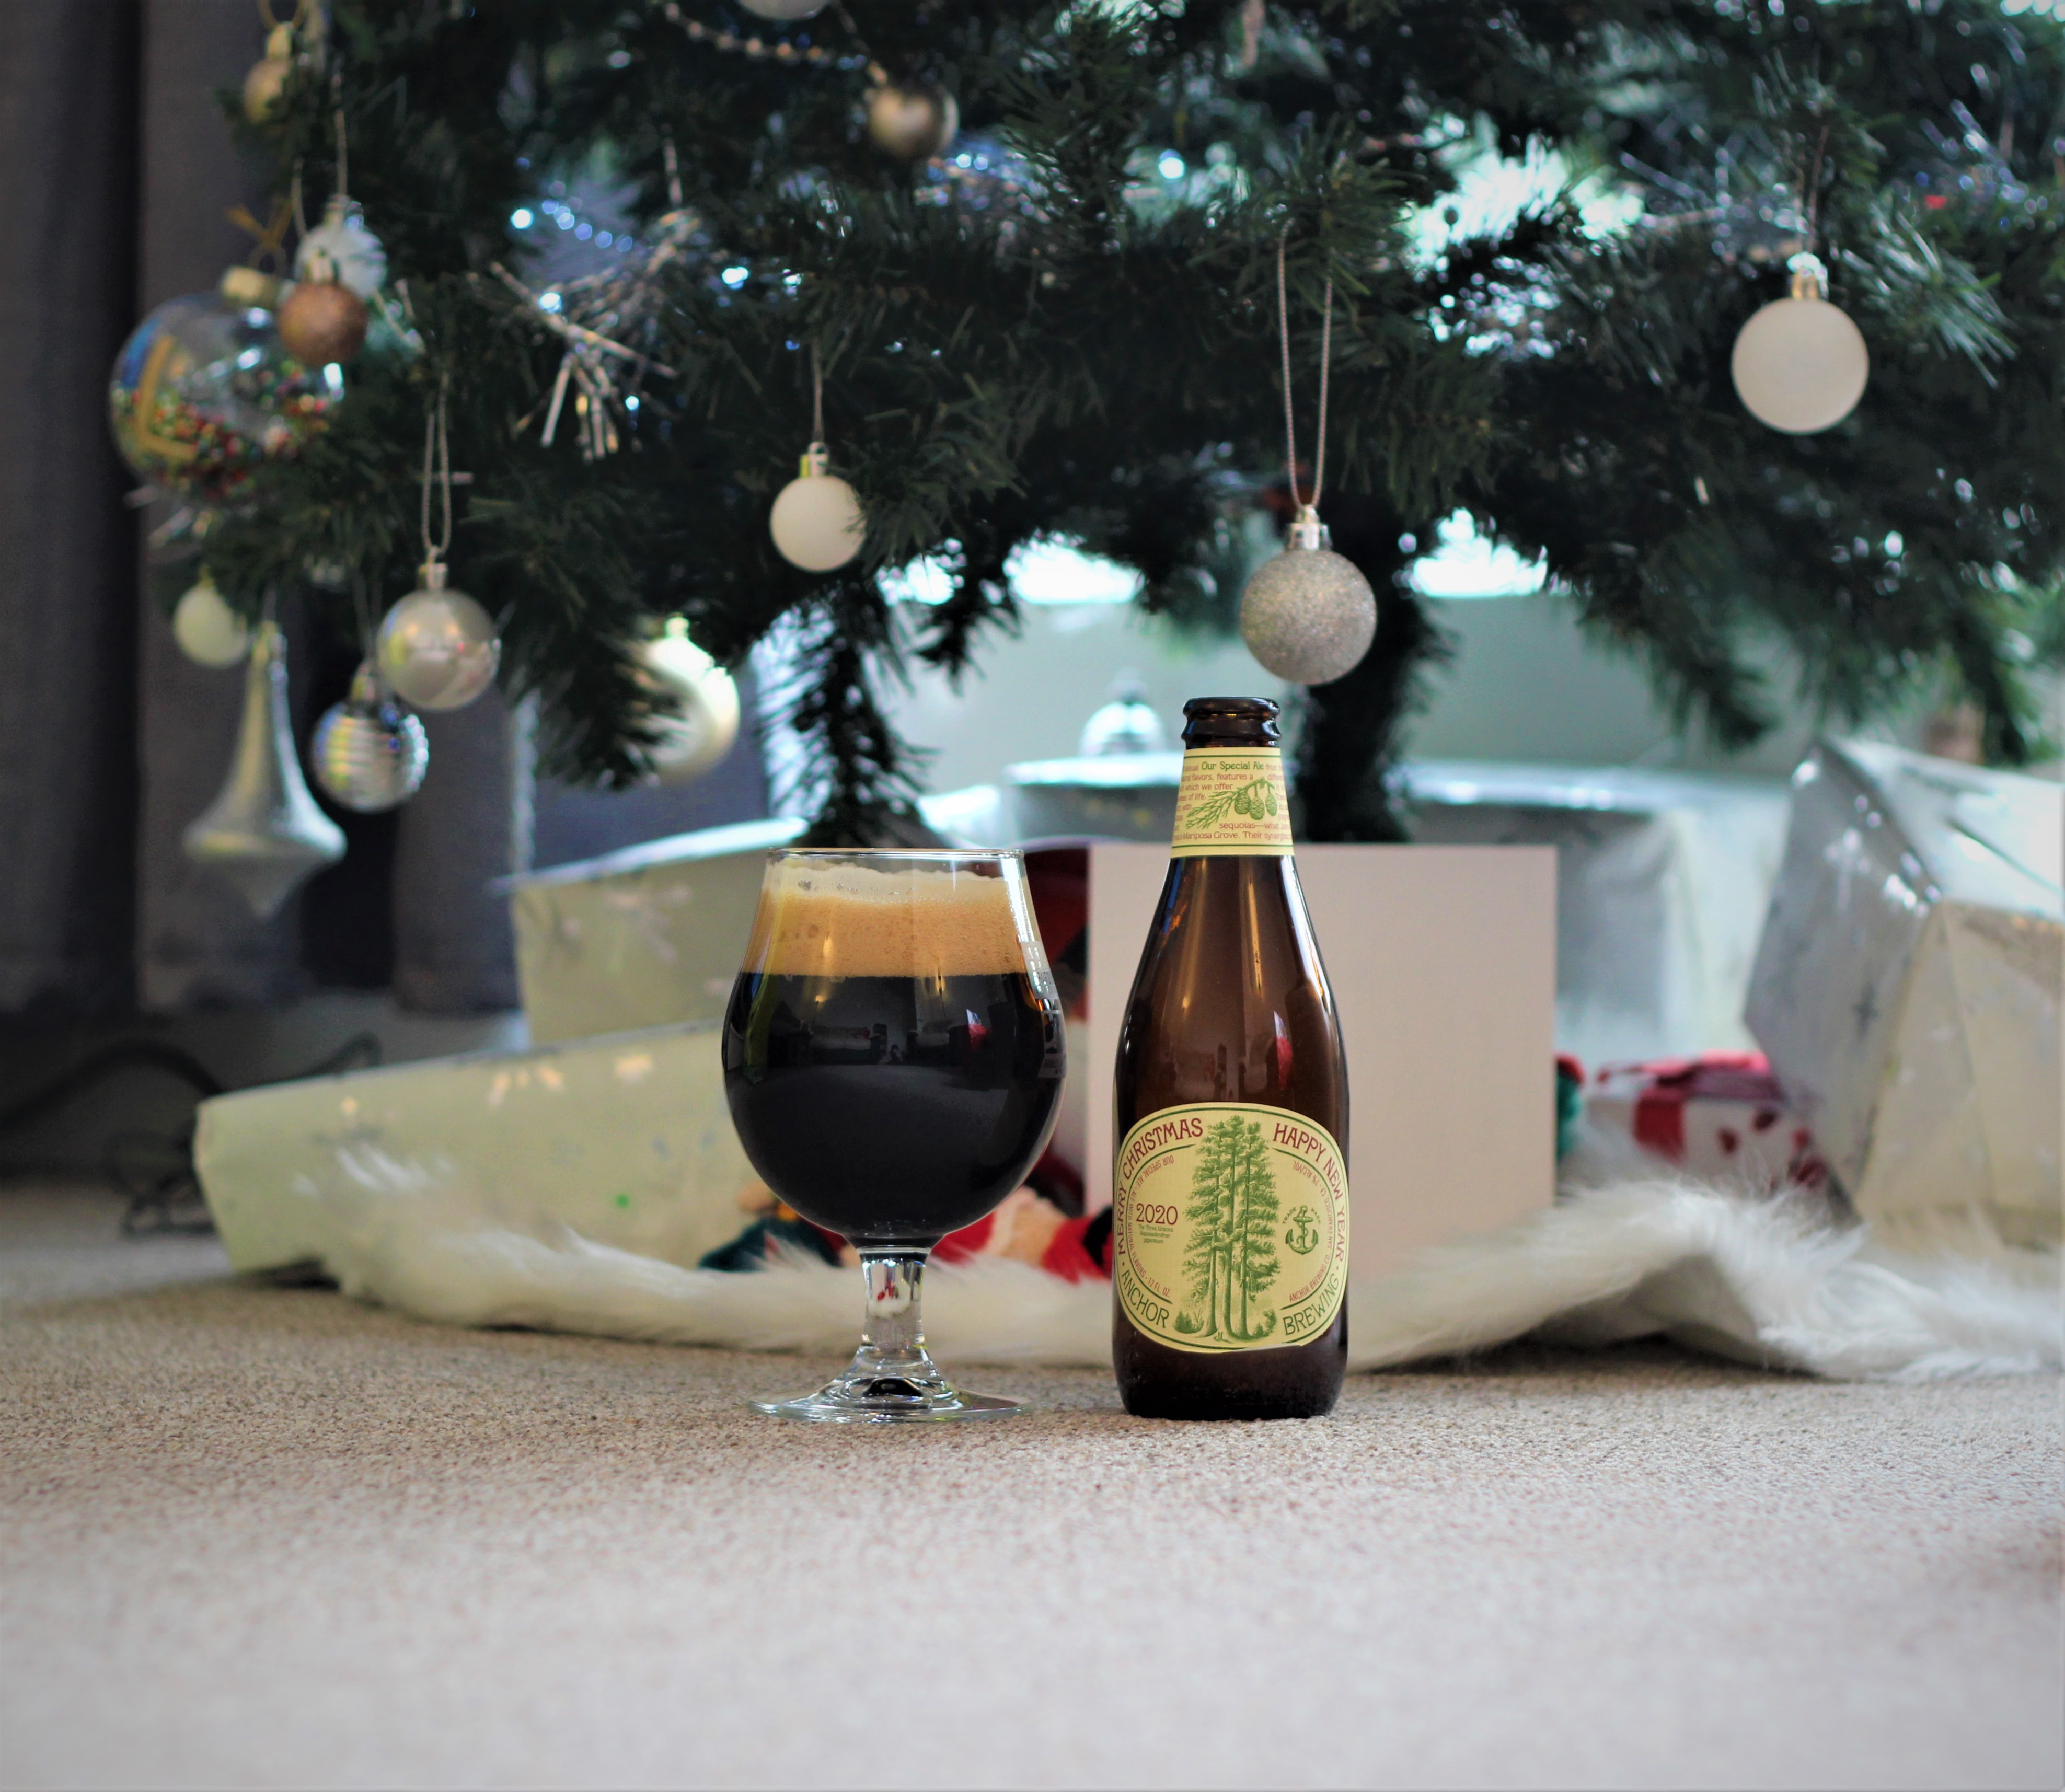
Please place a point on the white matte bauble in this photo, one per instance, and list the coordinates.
(816, 522)
(1309, 614)
(437, 648)
(913, 123)
(368, 755)
(1800, 364)
(341, 248)
(698, 738)
(786, 11)
(209, 632)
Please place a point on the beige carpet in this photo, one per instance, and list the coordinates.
(255, 1536)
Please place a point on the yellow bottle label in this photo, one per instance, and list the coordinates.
(1231, 802)
(1230, 1225)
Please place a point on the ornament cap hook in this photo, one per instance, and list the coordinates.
(434, 574)
(1307, 533)
(816, 462)
(1810, 275)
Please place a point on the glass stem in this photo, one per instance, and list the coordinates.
(892, 1329)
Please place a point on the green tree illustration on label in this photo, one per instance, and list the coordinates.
(1230, 1222)
(1232, 1260)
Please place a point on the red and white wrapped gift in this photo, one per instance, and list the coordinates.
(1720, 1116)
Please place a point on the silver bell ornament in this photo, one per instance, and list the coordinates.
(368, 754)
(209, 632)
(1800, 364)
(203, 391)
(437, 648)
(264, 833)
(1309, 614)
(913, 123)
(784, 11)
(341, 248)
(703, 731)
(817, 523)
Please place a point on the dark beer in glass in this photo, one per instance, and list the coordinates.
(893, 1058)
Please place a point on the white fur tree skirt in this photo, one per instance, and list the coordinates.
(1775, 1282)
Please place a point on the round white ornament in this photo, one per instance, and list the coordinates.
(702, 733)
(209, 632)
(341, 248)
(1308, 615)
(368, 754)
(816, 522)
(437, 648)
(786, 11)
(1800, 364)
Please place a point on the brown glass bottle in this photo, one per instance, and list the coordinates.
(1230, 1011)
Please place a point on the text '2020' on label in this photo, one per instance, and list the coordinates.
(1231, 1221)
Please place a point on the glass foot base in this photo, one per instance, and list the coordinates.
(890, 1381)
(867, 1397)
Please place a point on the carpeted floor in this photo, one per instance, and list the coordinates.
(255, 1536)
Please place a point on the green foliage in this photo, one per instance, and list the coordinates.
(1064, 343)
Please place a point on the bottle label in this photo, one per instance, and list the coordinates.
(1230, 1222)
(1231, 803)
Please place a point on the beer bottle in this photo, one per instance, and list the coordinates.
(1230, 1192)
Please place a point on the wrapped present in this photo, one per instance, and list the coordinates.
(626, 1141)
(645, 937)
(1722, 1117)
(1907, 988)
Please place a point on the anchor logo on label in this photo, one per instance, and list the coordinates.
(1303, 1234)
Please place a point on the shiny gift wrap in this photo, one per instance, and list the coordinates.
(1906, 989)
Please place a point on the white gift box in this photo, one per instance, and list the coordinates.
(641, 937)
(1907, 987)
(626, 1140)
(1662, 877)
(1443, 964)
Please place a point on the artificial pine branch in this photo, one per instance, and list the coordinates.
(1065, 343)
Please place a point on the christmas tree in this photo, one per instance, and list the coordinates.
(1066, 325)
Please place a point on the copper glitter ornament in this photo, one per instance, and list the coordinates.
(913, 123)
(321, 321)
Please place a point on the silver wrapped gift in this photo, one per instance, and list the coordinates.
(1906, 988)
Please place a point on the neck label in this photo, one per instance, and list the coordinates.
(1232, 804)
(1231, 1221)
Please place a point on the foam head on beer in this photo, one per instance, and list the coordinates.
(841, 919)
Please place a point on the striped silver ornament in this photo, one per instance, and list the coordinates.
(369, 754)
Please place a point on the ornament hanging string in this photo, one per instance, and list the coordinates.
(1326, 366)
(817, 400)
(436, 437)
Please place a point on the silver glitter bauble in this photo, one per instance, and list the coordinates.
(368, 754)
(437, 647)
(1309, 614)
(784, 10)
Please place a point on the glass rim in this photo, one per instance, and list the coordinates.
(918, 854)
